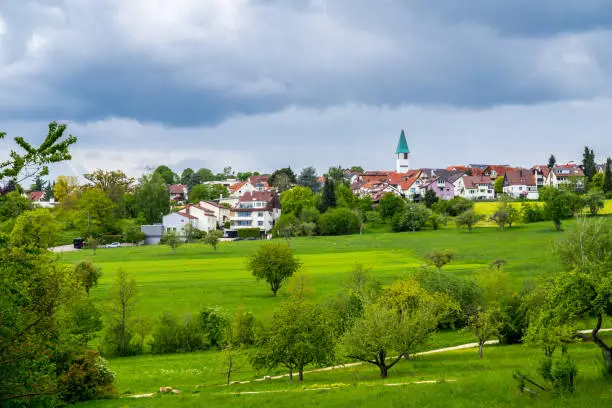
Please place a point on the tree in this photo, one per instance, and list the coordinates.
(308, 178)
(557, 205)
(49, 192)
(552, 161)
(607, 183)
(430, 198)
(132, 232)
(439, 258)
(284, 181)
(172, 239)
(186, 176)
(36, 229)
(468, 219)
(588, 163)
(115, 183)
(64, 187)
(412, 217)
(12, 205)
(273, 263)
(205, 175)
(88, 274)
(395, 326)
(357, 169)
(123, 301)
(336, 174)
(244, 176)
(212, 238)
(38, 184)
(166, 174)
(499, 185)
(203, 192)
(484, 323)
(505, 214)
(595, 201)
(36, 159)
(299, 336)
(92, 243)
(339, 221)
(296, 198)
(95, 212)
(328, 198)
(152, 200)
(389, 204)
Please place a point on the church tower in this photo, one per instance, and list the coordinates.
(401, 154)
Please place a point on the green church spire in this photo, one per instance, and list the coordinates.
(402, 145)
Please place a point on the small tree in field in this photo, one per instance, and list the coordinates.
(485, 323)
(212, 238)
(273, 263)
(468, 219)
(172, 239)
(93, 243)
(595, 201)
(439, 258)
(88, 274)
(123, 301)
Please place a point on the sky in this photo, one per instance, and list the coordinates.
(264, 84)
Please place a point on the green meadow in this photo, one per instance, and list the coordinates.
(195, 277)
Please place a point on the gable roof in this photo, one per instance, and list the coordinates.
(520, 177)
(474, 181)
(182, 214)
(177, 188)
(402, 144)
(36, 195)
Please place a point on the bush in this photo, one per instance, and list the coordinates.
(172, 336)
(339, 221)
(563, 373)
(411, 218)
(109, 238)
(459, 205)
(249, 233)
(88, 378)
(514, 320)
(132, 232)
(390, 204)
(286, 223)
(213, 323)
(468, 219)
(373, 217)
(532, 213)
(307, 229)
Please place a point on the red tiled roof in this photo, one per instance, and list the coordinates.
(191, 217)
(472, 181)
(213, 203)
(206, 211)
(177, 188)
(575, 170)
(36, 195)
(258, 179)
(520, 177)
(235, 187)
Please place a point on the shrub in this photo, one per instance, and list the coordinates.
(172, 336)
(468, 219)
(532, 213)
(373, 217)
(132, 232)
(286, 224)
(459, 205)
(213, 323)
(87, 378)
(563, 373)
(411, 218)
(514, 320)
(339, 221)
(389, 204)
(249, 233)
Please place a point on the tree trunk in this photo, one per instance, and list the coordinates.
(605, 350)
(290, 368)
(480, 347)
(557, 225)
(383, 370)
(301, 374)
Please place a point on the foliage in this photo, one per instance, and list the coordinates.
(356, 169)
(552, 161)
(166, 174)
(114, 183)
(505, 214)
(439, 258)
(64, 187)
(132, 232)
(282, 178)
(412, 217)
(214, 322)
(249, 233)
(173, 336)
(594, 200)
(172, 239)
(95, 212)
(152, 200)
(12, 205)
(468, 219)
(37, 228)
(85, 321)
(484, 324)
(588, 163)
(557, 205)
(430, 198)
(328, 196)
(205, 175)
(88, 378)
(243, 328)
(203, 192)
(212, 238)
(339, 221)
(123, 298)
(295, 199)
(286, 225)
(532, 212)
(35, 159)
(273, 263)
(308, 178)
(459, 205)
(299, 336)
(389, 204)
(499, 185)
(88, 274)
(345, 197)
(607, 182)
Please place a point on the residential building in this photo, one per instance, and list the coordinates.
(564, 174)
(178, 193)
(257, 209)
(37, 199)
(521, 183)
(220, 211)
(198, 217)
(496, 170)
(153, 233)
(540, 173)
(444, 189)
(475, 187)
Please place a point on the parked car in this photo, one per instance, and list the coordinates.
(251, 238)
(113, 245)
(238, 239)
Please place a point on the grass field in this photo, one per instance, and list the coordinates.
(196, 277)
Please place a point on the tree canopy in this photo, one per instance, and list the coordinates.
(273, 263)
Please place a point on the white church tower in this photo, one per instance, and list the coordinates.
(401, 154)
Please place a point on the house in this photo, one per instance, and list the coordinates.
(198, 217)
(259, 183)
(475, 187)
(257, 209)
(153, 233)
(520, 183)
(496, 170)
(564, 174)
(37, 199)
(220, 211)
(444, 189)
(178, 193)
(540, 173)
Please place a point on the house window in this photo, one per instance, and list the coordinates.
(260, 214)
(260, 223)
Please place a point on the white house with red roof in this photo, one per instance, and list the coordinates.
(198, 217)
(563, 174)
(521, 183)
(257, 209)
(178, 193)
(475, 187)
(38, 199)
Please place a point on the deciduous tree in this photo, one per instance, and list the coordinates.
(114, 183)
(212, 238)
(88, 274)
(37, 228)
(123, 295)
(166, 174)
(468, 219)
(152, 199)
(439, 258)
(273, 263)
(308, 178)
(172, 239)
